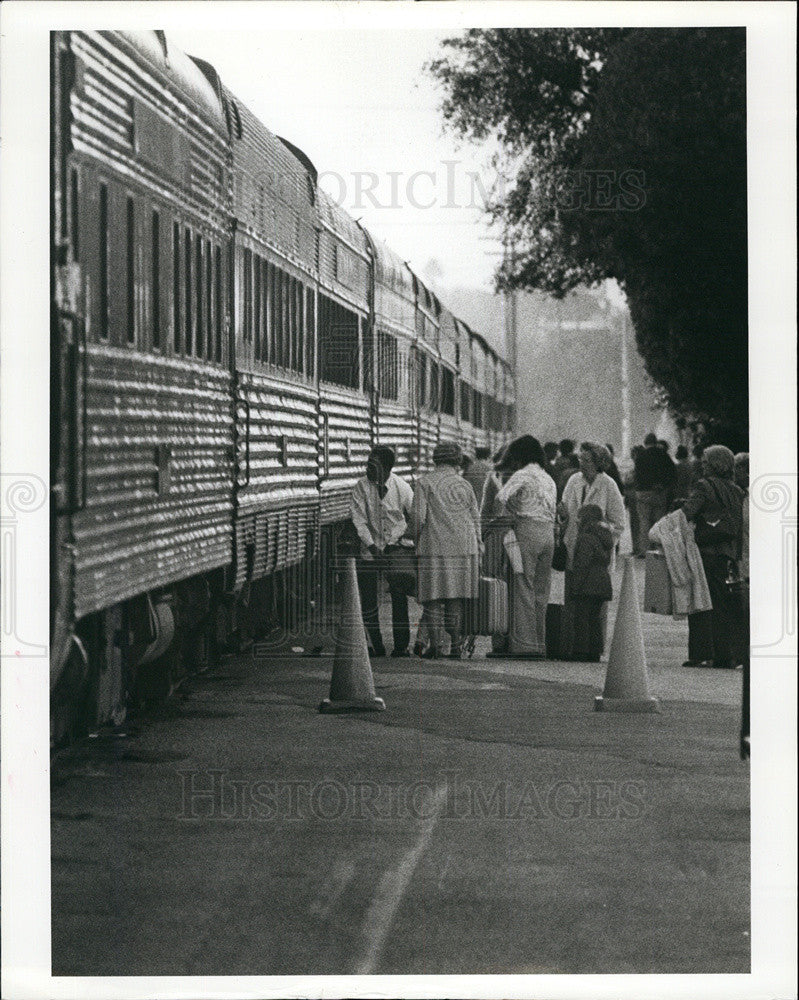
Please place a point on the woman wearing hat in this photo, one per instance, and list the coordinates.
(446, 522)
(715, 506)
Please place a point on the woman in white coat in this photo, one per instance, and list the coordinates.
(446, 523)
(589, 485)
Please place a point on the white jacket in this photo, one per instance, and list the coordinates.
(690, 591)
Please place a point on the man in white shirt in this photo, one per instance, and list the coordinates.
(379, 507)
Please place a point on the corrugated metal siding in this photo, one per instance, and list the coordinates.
(272, 191)
(346, 416)
(111, 82)
(282, 414)
(397, 429)
(268, 541)
(343, 255)
(394, 296)
(130, 539)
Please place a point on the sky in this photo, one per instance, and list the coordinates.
(359, 104)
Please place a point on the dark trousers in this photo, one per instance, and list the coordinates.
(700, 636)
(725, 608)
(587, 629)
(368, 573)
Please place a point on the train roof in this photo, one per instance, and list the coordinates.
(391, 270)
(185, 74)
(340, 222)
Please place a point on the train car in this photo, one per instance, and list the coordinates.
(276, 396)
(395, 334)
(227, 344)
(346, 357)
(142, 425)
(426, 368)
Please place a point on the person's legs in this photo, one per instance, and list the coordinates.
(643, 502)
(529, 599)
(453, 623)
(723, 614)
(581, 613)
(435, 627)
(541, 583)
(595, 636)
(635, 528)
(367, 587)
(399, 619)
(700, 637)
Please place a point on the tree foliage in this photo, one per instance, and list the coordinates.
(628, 155)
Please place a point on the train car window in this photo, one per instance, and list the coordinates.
(387, 374)
(465, 394)
(309, 333)
(189, 341)
(433, 385)
(155, 288)
(447, 392)
(278, 316)
(339, 344)
(219, 314)
(286, 320)
(199, 343)
(103, 261)
(297, 325)
(421, 381)
(74, 215)
(130, 267)
(209, 300)
(269, 347)
(247, 290)
(292, 323)
(478, 408)
(256, 307)
(176, 319)
(302, 321)
(266, 324)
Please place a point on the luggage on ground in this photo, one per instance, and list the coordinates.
(657, 584)
(492, 607)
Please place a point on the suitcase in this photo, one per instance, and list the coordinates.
(492, 607)
(657, 584)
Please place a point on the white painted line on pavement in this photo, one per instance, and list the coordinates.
(391, 889)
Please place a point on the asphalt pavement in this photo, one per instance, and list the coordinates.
(489, 821)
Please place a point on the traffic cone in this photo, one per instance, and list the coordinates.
(352, 687)
(626, 680)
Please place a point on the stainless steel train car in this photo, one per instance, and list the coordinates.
(227, 344)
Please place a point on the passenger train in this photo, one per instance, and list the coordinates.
(227, 344)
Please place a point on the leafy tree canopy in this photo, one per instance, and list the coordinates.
(627, 150)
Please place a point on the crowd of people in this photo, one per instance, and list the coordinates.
(547, 520)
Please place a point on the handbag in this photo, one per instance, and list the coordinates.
(560, 554)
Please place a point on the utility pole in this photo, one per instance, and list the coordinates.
(625, 387)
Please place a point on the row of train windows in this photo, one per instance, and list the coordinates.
(191, 324)
(278, 315)
(435, 386)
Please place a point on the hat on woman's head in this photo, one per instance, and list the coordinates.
(719, 461)
(447, 453)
